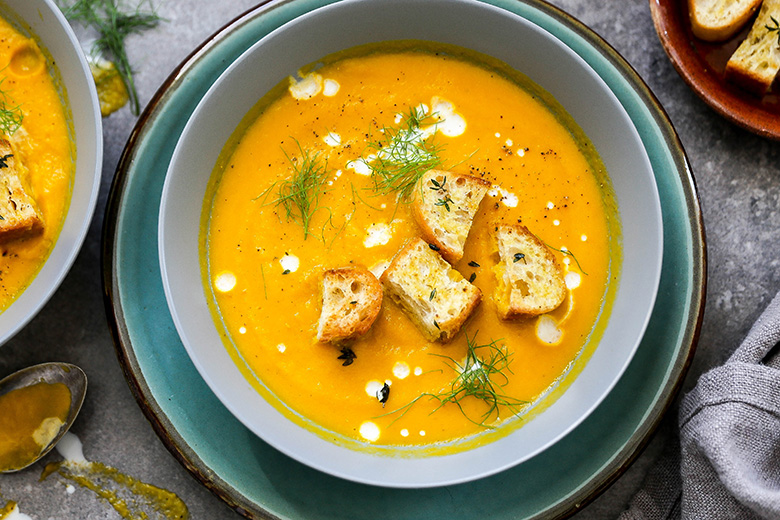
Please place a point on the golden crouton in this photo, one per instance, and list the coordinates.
(444, 208)
(529, 279)
(19, 215)
(351, 301)
(433, 295)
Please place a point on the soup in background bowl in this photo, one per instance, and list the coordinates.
(52, 150)
(248, 101)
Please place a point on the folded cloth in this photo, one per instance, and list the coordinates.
(726, 462)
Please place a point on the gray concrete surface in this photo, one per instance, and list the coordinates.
(737, 175)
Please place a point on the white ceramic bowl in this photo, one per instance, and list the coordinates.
(44, 21)
(484, 28)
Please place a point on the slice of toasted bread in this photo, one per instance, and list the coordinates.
(433, 295)
(444, 208)
(351, 301)
(529, 279)
(19, 214)
(719, 20)
(756, 61)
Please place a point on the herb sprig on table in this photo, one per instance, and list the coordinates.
(114, 23)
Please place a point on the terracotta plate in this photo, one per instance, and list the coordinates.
(701, 65)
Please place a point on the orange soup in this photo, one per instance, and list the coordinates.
(264, 258)
(33, 119)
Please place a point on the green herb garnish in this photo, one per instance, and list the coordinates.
(300, 194)
(446, 201)
(11, 117)
(383, 394)
(482, 375)
(776, 28)
(563, 252)
(113, 24)
(347, 356)
(568, 253)
(403, 154)
(439, 186)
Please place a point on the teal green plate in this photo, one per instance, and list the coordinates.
(258, 481)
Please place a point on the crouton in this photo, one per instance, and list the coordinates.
(529, 279)
(756, 61)
(719, 20)
(433, 295)
(351, 301)
(19, 214)
(444, 208)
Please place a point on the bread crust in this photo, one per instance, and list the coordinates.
(351, 301)
(756, 62)
(444, 207)
(436, 297)
(19, 214)
(719, 20)
(530, 280)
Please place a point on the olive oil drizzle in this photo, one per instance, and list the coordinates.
(114, 25)
(129, 497)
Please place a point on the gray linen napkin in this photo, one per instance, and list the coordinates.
(727, 462)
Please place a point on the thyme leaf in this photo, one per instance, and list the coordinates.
(775, 28)
(347, 356)
(446, 201)
(383, 394)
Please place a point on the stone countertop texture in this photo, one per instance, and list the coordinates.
(738, 179)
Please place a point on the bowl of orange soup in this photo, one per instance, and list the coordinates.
(50, 156)
(305, 229)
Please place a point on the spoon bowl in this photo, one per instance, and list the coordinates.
(70, 375)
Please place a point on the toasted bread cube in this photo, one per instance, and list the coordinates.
(351, 301)
(433, 295)
(19, 214)
(444, 208)
(719, 20)
(529, 279)
(756, 61)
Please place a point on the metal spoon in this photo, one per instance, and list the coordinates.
(70, 375)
